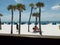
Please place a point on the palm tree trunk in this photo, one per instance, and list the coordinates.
(12, 23)
(40, 20)
(29, 20)
(36, 21)
(0, 23)
(19, 21)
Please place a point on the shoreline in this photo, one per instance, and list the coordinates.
(31, 36)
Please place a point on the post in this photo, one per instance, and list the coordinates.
(0, 23)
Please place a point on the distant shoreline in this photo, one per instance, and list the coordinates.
(42, 22)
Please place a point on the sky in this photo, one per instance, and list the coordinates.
(50, 12)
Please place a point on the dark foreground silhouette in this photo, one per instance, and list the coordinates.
(26, 40)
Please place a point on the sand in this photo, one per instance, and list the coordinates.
(49, 29)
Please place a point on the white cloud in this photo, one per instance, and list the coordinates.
(56, 7)
(17, 1)
(45, 16)
(50, 16)
(41, 9)
(6, 18)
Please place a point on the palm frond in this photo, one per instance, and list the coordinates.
(31, 5)
(40, 4)
(20, 7)
(1, 14)
(35, 14)
(11, 7)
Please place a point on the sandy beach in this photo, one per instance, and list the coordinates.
(49, 29)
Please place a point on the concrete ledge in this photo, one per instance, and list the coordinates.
(31, 36)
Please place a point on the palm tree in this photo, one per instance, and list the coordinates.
(39, 5)
(32, 6)
(12, 8)
(20, 8)
(0, 20)
(36, 15)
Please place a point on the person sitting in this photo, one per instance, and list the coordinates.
(35, 29)
(17, 26)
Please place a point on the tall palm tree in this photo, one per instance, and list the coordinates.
(32, 6)
(36, 15)
(12, 8)
(39, 5)
(20, 8)
(0, 20)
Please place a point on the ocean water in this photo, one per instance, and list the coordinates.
(42, 22)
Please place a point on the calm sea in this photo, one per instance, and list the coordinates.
(42, 22)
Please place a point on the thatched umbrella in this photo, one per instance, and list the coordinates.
(36, 15)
